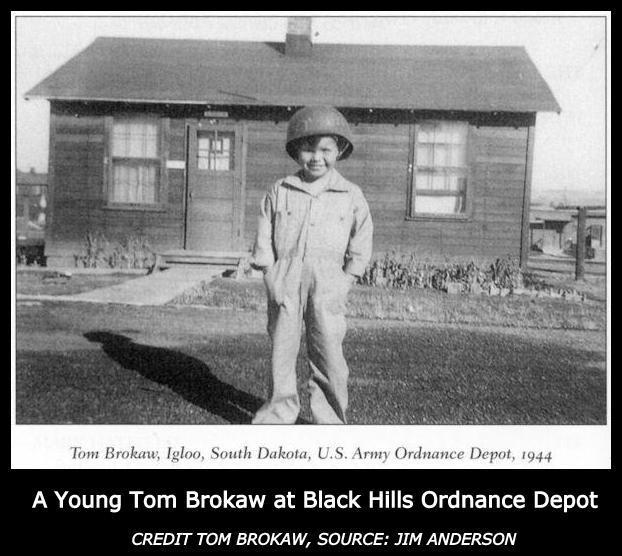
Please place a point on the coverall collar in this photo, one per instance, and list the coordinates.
(336, 182)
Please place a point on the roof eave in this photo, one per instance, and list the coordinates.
(30, 95)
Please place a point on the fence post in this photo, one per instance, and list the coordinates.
(580, 256)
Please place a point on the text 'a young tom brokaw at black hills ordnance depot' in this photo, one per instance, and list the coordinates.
(317, 499)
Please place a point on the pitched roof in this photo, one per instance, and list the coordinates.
(471, 78)
(550, 215)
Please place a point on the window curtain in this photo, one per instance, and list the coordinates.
(134, 183)
(135, 162)
(440, 159)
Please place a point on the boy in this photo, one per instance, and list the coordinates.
(314, 239)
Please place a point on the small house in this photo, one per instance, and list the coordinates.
(177, 140)
(554, 231)
(547, 227)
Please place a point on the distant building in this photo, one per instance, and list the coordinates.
(554, 231)
(546, 229)
(31, 198)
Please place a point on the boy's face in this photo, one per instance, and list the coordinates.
(317, 156)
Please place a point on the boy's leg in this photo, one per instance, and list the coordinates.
(284, 327)
(326, 328)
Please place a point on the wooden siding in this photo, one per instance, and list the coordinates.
(78, 183)
(266, 161)
(379, 164)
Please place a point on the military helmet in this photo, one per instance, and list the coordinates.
(318, 120)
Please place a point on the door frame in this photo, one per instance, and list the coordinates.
(239, 207)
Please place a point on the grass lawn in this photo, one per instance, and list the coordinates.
(85, 363)
(42, 283)
(421, 305)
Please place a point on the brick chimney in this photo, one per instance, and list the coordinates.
(298, 38)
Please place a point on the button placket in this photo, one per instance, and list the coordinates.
(308, 224)
(312, 212)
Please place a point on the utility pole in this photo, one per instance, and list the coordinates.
(580, 257)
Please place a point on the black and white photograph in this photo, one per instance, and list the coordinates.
(391, 230)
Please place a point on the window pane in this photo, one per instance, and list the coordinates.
(135, 140)
(223, 153)
(135, 144)
(438, 182)
(215, 151)
(458, 156)
(429, 181)
(150, 142)
(442, 133)
(119, 139)
(424, 155)
(439, 204)
(456, 132)
(204, 143)
(456, 183)
(203, 154)
(440, 156)
(423, 181)
(426, 133)
(134, 183)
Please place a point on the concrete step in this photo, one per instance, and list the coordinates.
(197, 258)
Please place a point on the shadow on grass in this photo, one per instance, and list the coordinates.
(400, 374)
(188, 376)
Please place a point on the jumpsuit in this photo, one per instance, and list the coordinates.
(308, 242)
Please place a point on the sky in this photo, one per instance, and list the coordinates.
(569, 52)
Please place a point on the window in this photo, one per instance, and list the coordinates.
(440, 169)
(135, 169)
(595, 232)
(21, 204)
(215, 150)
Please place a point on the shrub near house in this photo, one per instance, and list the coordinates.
(129, 252)
(400, 272)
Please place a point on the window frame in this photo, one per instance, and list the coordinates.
(162, 155)
(231, 135)
(411, 214)
(590, 229)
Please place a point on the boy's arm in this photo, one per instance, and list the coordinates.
(360, 246)
(263, 253)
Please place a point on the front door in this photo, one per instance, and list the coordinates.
(214, 209)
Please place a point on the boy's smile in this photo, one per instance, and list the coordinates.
(317, 157)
